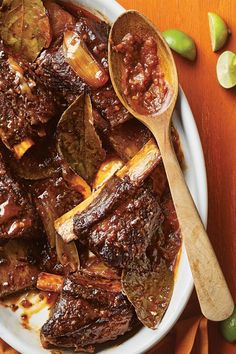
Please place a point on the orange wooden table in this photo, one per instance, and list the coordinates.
(214, 109)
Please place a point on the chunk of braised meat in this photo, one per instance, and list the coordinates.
(95, 35)
(59, 18)
(93, 266)
(51, 281)
(110, 107)
(101, 125)
(49, 261)
(109, 191)
(25, 105)
(57, 73)
(129, 138)
(54, 197)
(19, 266)
(115, 192)
(159, 179)
(121, 224)
(17, 214)
(90, 310)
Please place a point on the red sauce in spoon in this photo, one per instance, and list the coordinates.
(144, 84)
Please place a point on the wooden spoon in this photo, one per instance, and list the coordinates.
(212, 290)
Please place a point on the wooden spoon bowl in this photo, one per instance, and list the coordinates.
(212, 290)
(143, 28)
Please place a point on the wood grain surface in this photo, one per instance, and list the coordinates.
(214, 109)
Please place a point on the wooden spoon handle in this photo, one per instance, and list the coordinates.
(212, 290)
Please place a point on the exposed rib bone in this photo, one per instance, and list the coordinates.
(137, 169)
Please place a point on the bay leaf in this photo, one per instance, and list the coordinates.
(25, 27)
(149, 290)
(78, 143)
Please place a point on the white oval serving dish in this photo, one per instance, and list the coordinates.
(27, 341)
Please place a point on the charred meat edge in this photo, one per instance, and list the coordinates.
(137, 169)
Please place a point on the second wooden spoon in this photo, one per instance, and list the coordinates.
(213, 293)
